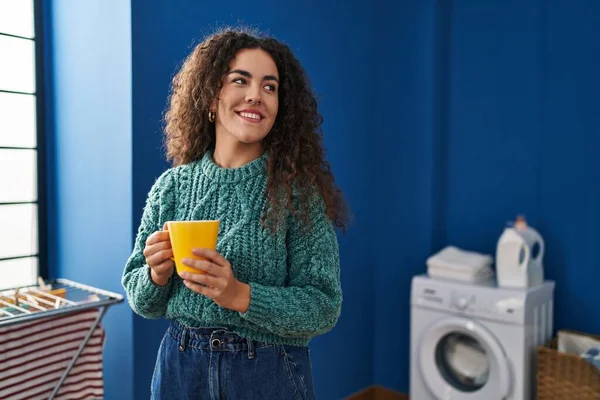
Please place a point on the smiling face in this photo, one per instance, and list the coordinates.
(248, 101)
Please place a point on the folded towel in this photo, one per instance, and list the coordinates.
(459, 260)
(575, 343)
(454, 263)
(592, 356)
(473, 275)
(587, 347)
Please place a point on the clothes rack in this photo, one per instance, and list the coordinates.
(57, 297)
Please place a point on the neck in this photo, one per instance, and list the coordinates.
(234, 154)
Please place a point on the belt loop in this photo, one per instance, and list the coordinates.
(182, 340)
(251, 354)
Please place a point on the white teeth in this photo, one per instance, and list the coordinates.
(250, 115)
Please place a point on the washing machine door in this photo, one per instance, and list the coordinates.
(462, 360)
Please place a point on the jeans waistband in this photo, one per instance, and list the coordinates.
(212, 339)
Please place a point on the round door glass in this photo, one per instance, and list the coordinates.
(462, 361)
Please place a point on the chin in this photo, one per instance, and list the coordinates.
(250, 138)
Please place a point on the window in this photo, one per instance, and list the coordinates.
(22, 212)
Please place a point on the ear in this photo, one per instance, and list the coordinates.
(214, 104)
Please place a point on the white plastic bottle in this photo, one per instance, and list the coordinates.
(516, 266)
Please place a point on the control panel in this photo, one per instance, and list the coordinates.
(481, 300)
(463, 301)
(471, 300)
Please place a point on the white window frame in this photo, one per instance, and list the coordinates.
(40, 148)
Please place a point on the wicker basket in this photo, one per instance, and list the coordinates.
(565, 376)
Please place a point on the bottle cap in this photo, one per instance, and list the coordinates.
(520, 222)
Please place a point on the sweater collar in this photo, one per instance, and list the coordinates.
(220, 174)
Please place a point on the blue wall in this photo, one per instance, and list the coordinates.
(334, 45)
(90, 94)
(489, 109)
(406, 100)
(443, 120)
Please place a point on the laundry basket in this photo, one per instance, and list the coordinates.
(563, 376)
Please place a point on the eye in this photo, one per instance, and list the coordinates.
(240, 81)
(271, 88)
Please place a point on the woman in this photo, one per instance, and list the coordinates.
(243, 133)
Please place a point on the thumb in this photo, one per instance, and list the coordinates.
(166, 226)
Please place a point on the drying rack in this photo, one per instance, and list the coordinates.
(56, 297)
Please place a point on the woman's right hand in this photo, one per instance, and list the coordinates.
(158, 255)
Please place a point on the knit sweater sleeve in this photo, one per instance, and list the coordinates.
(145, 297)
(310, 304)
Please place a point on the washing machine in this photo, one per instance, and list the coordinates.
(476, 341)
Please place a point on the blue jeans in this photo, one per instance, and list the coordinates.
(216, 364)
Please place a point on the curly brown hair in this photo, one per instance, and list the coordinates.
(296, 163)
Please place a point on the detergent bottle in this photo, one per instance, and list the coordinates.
(519, 256)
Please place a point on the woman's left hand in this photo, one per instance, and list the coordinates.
(222, 286)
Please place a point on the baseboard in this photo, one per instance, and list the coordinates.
(377, 392)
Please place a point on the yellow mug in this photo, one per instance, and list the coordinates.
(188, 235)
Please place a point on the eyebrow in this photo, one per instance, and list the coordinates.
(249, 75)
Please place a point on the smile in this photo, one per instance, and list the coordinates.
(250, 116)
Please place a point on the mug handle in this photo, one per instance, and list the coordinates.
(166, 228)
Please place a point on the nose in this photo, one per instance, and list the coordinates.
(253, 96)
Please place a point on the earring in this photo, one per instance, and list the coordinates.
(212, 116)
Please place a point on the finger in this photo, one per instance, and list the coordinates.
(205, 266)
(205, 279)
(212, 255)
(158, 236)
(196, 287)
(156, 247)
(165, 244)
(158, 258)
(163, 267)
(166, 226)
